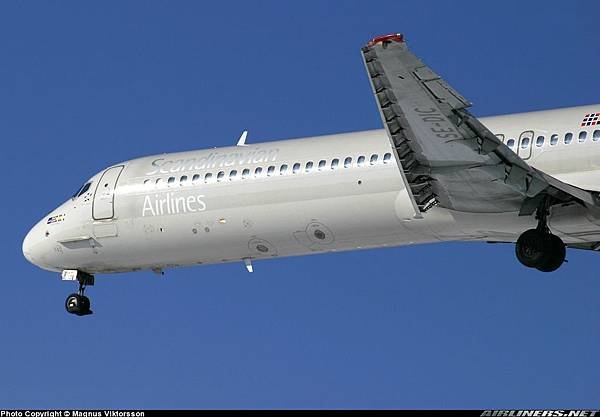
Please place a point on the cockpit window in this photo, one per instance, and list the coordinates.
(82, 190)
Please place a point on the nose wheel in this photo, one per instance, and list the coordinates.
(77, 303)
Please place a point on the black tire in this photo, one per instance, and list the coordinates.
(85, 305)
(73, 303)
(556, 255)
(532, 248)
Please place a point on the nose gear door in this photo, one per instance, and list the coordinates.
(104, 196)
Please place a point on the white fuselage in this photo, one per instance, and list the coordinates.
(265, 200)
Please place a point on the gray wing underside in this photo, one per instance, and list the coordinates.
(447, 156)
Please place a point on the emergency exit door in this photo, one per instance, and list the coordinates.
(104, 198)
(525, 145)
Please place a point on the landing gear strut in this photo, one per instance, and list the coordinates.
(538, 248)
(77, 303)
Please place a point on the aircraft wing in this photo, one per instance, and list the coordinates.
(447, 156)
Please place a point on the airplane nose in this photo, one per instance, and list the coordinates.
(28, 244)
(37, 247)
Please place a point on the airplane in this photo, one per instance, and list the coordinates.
(434, 173)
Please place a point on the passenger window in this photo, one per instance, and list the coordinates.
(596, 135)
(525, 143)
(220, 175)
(245, 173)
(283, 169)
(361, 161)
(348, 162)
(582, 136)
(270, 170)
(296, 168)
(159, 182)
(183, 180)
(258, 172)
(568, 138)
(308, 167)
(510, 143)
(540, 141)
(500, 136)
(322, 164)
(146, 182)
(334, 163)
(387, 157)
(553, 139)
(232, 175)
(373, 159)
(208, 177)
(195, 178)
(171, 181)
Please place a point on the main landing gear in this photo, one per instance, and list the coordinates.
(538, 248)
(77, 303)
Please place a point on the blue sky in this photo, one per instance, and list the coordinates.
(84, 85)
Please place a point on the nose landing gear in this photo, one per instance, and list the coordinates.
(538, 248)
(77, 303)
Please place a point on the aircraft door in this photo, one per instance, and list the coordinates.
(104, 197)
(525, 144)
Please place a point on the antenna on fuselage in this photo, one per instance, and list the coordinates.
(248, 263)
(242, 139)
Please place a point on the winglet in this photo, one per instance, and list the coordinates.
(242, 139)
